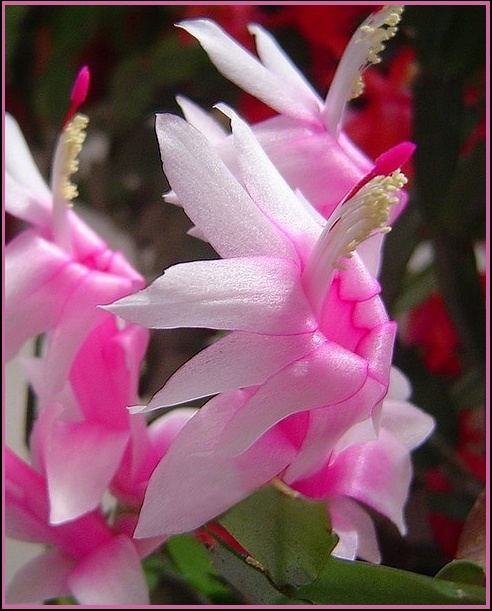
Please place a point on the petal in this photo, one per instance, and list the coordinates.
(38, 277)
(235, 361)
(370, 253)
(214, 200)
(275, 60)
(410, 425)
(400, 388)
(201, 120)
(376, 473)
(20, 164)
(24, 204)
(356, 282)
(163, 430)
(76, 485)
(78, 316)
(144, 453)
(327, 376)
(328, 425)
(111, 575)
(42, 578)
(26, 505)
(204, 483)
(45, 289)
(257, 294)
(243, 69)
(311, 161)
(104, 375)
(355, 530)
(370, 313)
(377, 348)
(272, 194)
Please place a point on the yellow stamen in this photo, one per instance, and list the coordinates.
(65, 164)
(353, 222)
(362, 51)
(72, 140)
(369, 210)
(374, 36)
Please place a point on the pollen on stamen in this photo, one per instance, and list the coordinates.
(356, 219)
(362, 51)
(376, 35)
(73, 138)
(368, 212)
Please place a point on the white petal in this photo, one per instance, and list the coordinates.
(269, 190)
(257, 294)
(210, 195)
(327, 376)
(235, 361)
(410, 425)
(201, 482)
(243, 69)
(274, 58)
(19, 162)
(399, 388)
(201, 120)
(355, 530)
(24, 203)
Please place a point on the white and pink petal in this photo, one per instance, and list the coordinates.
(256, 294)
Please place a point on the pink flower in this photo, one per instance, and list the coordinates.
(310, 344)
(93, 556)
(86, 559)
(57, 273)
(58, 270)
(370, 470)
(87, 417)
(305, 142)
(365, 467)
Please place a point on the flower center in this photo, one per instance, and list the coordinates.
(354, 220)
(362, 51)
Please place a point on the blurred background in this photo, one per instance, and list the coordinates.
(430, 88)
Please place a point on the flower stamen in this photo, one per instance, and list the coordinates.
(66, 160)
(353, 221)
(362, 51)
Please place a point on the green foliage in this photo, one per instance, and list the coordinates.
(290, 537)
(289, 542)
(343, 582)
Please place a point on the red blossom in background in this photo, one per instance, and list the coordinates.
(431, 331)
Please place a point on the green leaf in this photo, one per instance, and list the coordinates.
(289, 535)
(253, 585)
(194, 565)
(463, 571)
(345, 582)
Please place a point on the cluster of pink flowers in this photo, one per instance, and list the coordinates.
(84, 443)
(302, 386)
